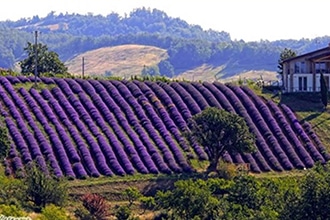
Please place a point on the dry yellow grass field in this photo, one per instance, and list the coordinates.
(124, 60)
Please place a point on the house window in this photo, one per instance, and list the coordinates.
(320, 67)
(296, 67)
(300, 67)
(302, 83)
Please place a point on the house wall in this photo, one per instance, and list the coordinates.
(302, 87)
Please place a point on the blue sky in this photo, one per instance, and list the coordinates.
(250, 20)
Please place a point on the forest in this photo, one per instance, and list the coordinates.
(188, 45)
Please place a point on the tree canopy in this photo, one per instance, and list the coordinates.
(47, 61)
(285, 54)
(219, 131)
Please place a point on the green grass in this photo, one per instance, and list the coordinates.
(38, 86)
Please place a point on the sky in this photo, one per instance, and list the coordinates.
(248, 20)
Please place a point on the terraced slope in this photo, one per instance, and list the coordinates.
(92, 128)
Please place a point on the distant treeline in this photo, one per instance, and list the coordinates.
(187, 45)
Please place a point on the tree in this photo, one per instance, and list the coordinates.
(324, 91)
(285, 54)
(43, 189)
(166, 68)
(219, 131)
(47, 61)
(150, 71)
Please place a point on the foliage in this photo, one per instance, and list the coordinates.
(96, 205)
(47, 61)
(189, 199)
(166, 68)
(11, 192)
(53, 212)
(324, 91)
(147, 202)
(314, 199)
(5, 139)
(218, 131)
(43, 189)
(82, 213)
(156, 78)
(285, 54)
(226, 170)
(123, 213)
(11, 210)
(132, 194)
(245, 192)
(150, 71)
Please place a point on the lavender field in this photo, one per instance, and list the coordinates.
(90, 128)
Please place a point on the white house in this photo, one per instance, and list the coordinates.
(302, 73)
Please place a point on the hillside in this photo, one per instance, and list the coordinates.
(210, 73)
(91, 128)
(123, 61)
(128, 60)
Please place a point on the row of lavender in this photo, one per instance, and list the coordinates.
(93, 133)
(91, 128)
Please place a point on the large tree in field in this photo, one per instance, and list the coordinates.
(219, 131)
(285, 54)
(47, 61)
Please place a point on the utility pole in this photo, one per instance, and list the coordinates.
(35, 57)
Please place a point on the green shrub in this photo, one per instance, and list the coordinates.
(11, 210)
(123, 213)
(53, 212)
(147, 202)
(132, 194)
(11, 191)
(82, 213)
(226, 170)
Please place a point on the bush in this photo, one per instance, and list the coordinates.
(96, 205)
(147, 202)
(82, 213)
(226, 170)
(42, 189)
(123, 213)
(11, 210)
(52, 212)
(132, 194)
(11, 191)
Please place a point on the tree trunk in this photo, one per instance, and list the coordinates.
(213, 166)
